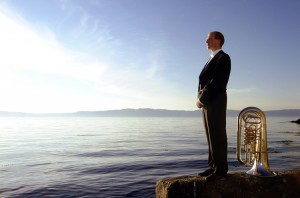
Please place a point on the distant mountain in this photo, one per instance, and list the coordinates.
(144, 113)
(284, 112)
(141, 113)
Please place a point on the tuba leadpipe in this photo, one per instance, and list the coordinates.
(252, 141)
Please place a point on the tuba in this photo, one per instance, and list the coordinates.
(252, 141)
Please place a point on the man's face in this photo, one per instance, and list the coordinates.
(212, 43)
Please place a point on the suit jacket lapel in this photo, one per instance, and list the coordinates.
(210, 62)
(204, 68)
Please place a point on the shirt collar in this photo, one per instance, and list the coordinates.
(213, 53)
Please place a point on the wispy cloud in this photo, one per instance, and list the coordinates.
(91, 32)
(242, 90)
(23, 49)
(27, 51)
(30, 50)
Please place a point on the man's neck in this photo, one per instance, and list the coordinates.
(214, 52)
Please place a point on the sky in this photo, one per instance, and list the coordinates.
(91, 55)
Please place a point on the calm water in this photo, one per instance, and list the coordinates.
(118, 157)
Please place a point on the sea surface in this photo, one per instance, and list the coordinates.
(118, 157)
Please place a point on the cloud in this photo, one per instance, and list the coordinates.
(85, 82)
(26, 50)
(242, 91)
(22, 49)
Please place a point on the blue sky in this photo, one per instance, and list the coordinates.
(79, 55)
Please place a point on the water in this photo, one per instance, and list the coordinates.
(118, 157)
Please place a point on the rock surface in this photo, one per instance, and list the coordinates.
(237, 184)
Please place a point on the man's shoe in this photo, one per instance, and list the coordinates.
(207, 172)
(215, 177)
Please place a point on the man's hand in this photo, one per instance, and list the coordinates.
(199, 104)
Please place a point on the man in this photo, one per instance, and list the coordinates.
(212, 98)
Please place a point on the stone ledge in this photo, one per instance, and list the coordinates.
(237, 184)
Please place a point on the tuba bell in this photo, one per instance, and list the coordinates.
(252, 141)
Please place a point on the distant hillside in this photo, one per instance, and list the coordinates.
(144, 113)
(284, 112)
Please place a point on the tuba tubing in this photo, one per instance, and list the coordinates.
(252, 141)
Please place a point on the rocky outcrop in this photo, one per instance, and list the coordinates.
(296, 121)
(237, 184)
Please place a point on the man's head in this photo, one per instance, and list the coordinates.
(215, 40)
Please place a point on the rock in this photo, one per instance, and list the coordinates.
(296, 121)
(237, 184)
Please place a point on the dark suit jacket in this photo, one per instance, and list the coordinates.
(214, 78)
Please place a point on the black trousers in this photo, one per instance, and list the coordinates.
(214, 116)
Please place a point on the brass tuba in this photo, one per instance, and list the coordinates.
(252, 141)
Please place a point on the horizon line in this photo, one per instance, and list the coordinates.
(79, 111)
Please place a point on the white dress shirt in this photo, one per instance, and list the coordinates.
(213, 53)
